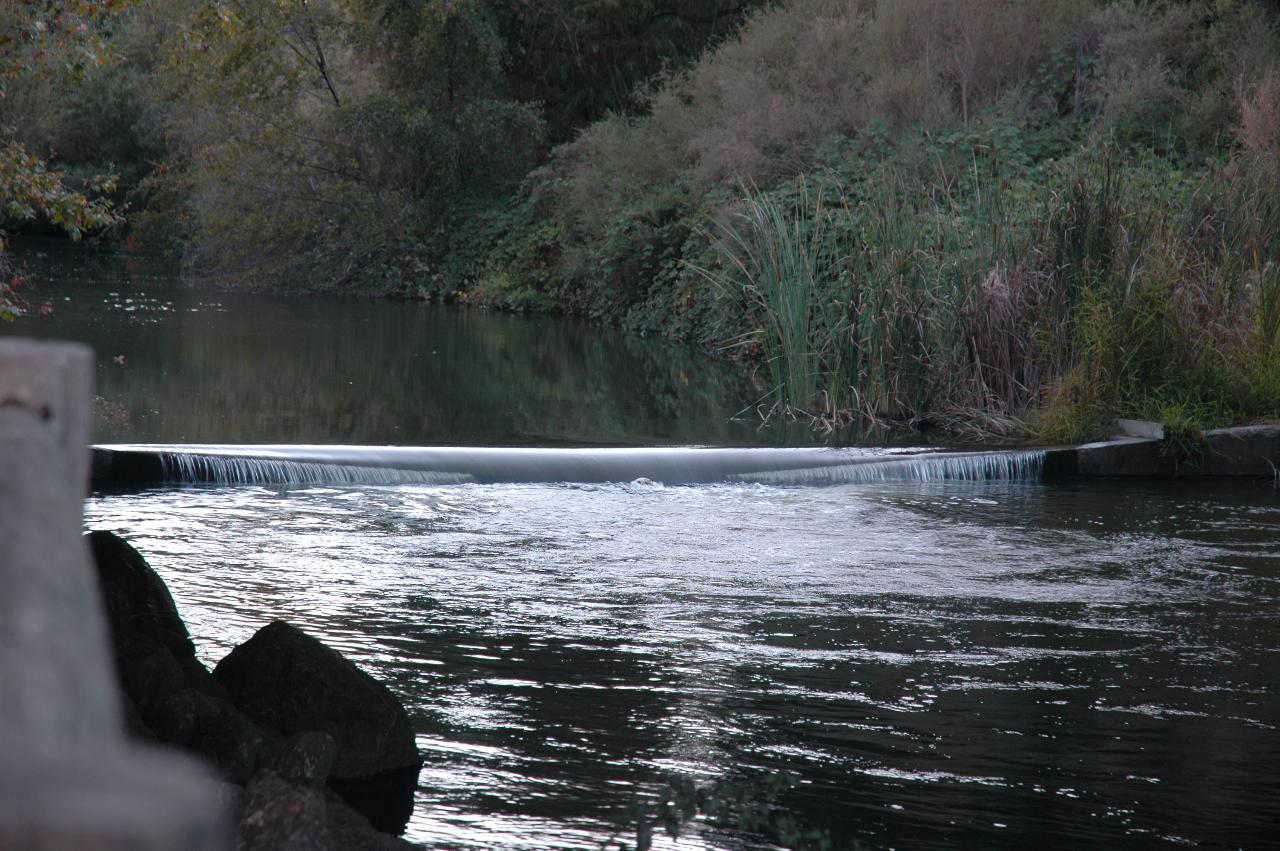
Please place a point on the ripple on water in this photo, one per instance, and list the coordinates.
(930, 664)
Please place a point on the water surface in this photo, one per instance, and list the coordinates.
(909, 665)
(182, 365)
(905, 665)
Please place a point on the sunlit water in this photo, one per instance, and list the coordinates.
(897, 664)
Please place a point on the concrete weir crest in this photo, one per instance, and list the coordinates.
(1250, 452)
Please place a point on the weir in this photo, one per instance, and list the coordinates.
(968, 466)
(124, 465)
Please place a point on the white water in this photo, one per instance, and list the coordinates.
(975, 467)
(234, 470)
(342, 465)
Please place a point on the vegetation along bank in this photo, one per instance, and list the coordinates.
(1010, 217)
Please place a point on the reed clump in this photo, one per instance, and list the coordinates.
(1013, 300)
(775, 265)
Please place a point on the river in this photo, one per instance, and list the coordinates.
(897, 664)
(188, 366)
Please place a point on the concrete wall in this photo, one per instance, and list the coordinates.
(68, 777)
(1247, 452)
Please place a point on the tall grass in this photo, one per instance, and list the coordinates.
(1031, 222)
(774, 261)
(863, 295)
(1048, 300)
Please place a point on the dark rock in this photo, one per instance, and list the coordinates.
(292, 683)
(115, 602)
(195, 675)
(385, 799)
(350, 831)
(149, 674)
(306, 758)
(282, 715)
(155, 659)
(278, 816)
(289, 681)
(217, 731)
(139, 605)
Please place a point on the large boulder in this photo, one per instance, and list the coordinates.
(279, 815)
(155, 658)
(350, 831)
(291, 683)
(140, 607)
(283, 716)
(216, 730)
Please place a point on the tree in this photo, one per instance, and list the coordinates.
(321, 142)
(585, 59)
(341, 142)
(35, 36)
(447, 104)
(278, 169)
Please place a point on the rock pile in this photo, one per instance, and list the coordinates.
(318, 754)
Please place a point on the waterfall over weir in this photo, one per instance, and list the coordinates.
(382, 465)
(968, 466)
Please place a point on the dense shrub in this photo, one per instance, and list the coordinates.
(946, 211)
(1009, 213)
(340, 143)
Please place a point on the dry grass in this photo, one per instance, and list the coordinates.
(1259, 131)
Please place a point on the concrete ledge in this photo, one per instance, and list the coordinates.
(113, 798)
(69, 780)
(1245, 452)
(111, 467)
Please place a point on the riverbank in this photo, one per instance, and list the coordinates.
(1000, 219)
(1245, 452)
(1062, 250)
(961, 284)
(1029, 244)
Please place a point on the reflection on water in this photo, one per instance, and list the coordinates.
(188, 366)
(952, 664)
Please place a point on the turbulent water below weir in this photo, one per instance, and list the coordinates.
(898, 664)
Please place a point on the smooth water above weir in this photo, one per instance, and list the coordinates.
(178, 364)
(388, 465)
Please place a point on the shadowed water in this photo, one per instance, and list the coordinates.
(923, 664)
(182, 365)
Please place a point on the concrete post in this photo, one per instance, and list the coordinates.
(68, 778)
